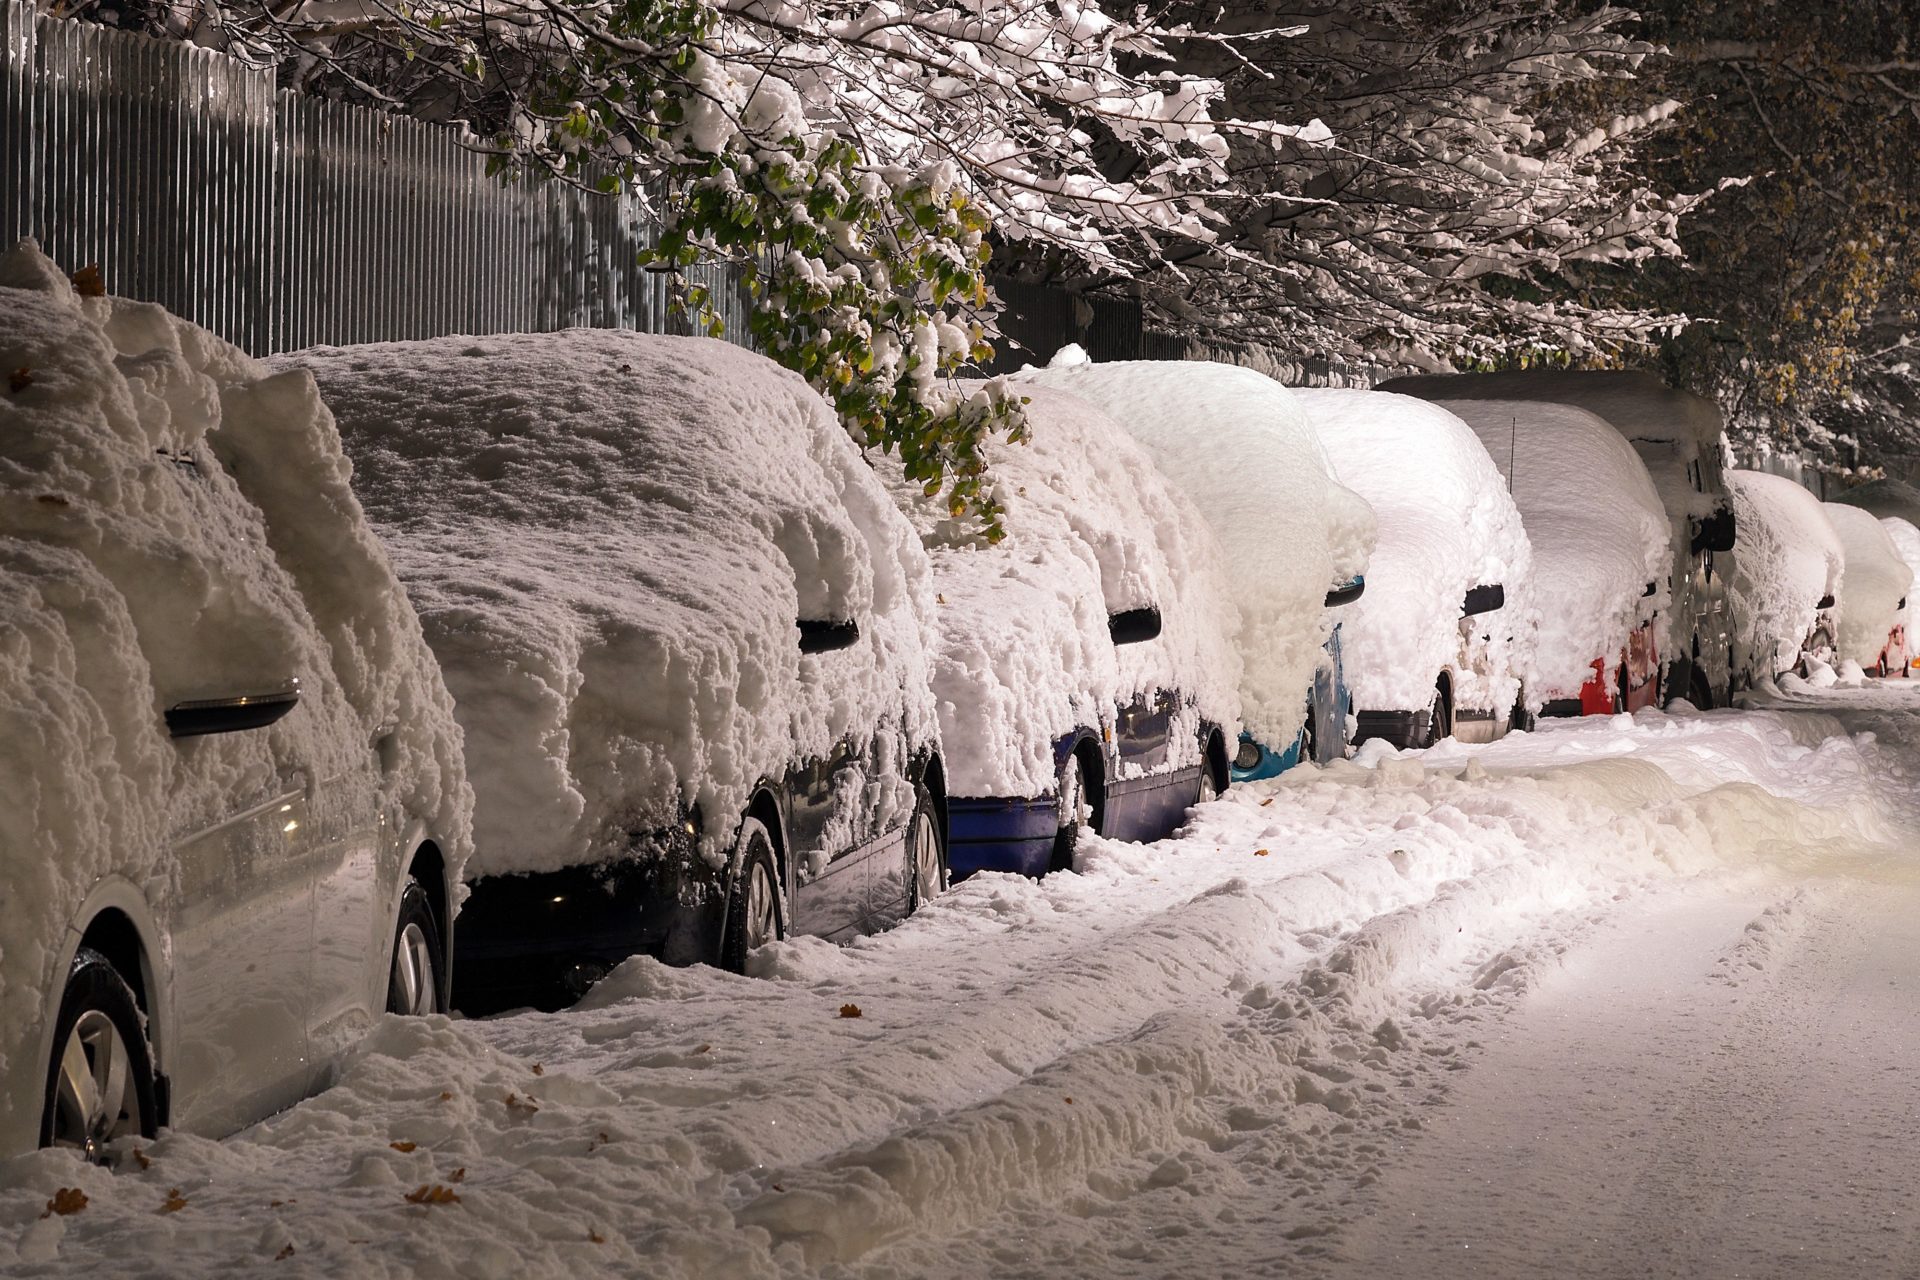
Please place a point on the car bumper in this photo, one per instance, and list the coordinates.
(998, 833)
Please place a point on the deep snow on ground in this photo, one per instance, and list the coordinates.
(1626, 995)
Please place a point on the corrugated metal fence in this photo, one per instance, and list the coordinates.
(280, 221)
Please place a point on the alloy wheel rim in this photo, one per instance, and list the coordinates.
(926, 857)
(413, 971)
(1072, 794)
(762, 920)
(95, 1101)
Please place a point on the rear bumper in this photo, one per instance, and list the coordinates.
(998, 833)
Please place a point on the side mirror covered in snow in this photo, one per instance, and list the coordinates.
(1131, 626)
(1715, 532)
(1346, 593)
(228, 715)
(1826, 601)
(1483, 599)
(1648, 593)
(824, 637)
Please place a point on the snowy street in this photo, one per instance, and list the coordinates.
(1617, 997)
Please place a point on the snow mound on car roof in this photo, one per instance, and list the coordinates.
(1446, 525)
(609, 537)
(1025, 656)
(1787, 557)
(1873, 581)
(178, 525)
(1238, 445)
(1598, 529)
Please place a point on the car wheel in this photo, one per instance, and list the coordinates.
(414, 979)
(100, 1081)
(755, 914)
(1310, 739)
(1439, 718)
(1073, 813)
(927, 874)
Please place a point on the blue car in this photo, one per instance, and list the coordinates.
(1323, 738)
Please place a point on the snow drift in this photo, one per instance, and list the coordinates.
(1446, 525)
(1597, 527)
(1238, 444)
(1024, 654)
(610, 537)
(1787, 559)
(1873, 583)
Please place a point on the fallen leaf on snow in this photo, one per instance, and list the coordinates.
(89, 283)
(66, 1200)
(705, 1048)
(434, 1194)
(174, 1202)
(596, 1237)
(517, 1103)
(404, 1147)
(285, 1253)
(1266, 802)
(1259, 853)
(446, 1095)
(539, 1070)
(458, 1175)
(849, 1010)
(142, 1159)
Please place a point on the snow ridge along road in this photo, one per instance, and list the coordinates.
(1374, 1019)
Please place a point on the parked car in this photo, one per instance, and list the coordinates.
(1294, 539)
(1085, 672)
(232, 799)
(1787, 567)
(1600, 553)
(1679, 436)
(686, 633)
(1873, 591)
(1899, 655)
(1435, 648)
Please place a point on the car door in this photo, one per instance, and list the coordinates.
(353, 883)
(829, 891)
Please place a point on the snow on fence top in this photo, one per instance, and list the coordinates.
(1025, 655)
(610, 537)
(1598, 530)
(1885, 498)
(180, 527)
(1786, 560)
(1239, 446)
(1873, 581)
(1446, 525)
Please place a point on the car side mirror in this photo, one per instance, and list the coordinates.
(1131, 626)
(1483, 599)
(819, 636)
(1715, 532)
(229, 715)
(1346, 593)
(1826, 601)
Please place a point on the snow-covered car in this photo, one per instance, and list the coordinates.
(1900, 653)
(1785, 582)
(232, 801)
(1885, 497)
(1679, 436)
(1294, 540)
(1873, 591)
(1435, 648)
(685, 630)
(1085, 671)
(1600, 553)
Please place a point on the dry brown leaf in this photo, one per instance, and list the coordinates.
(52, 500)
(1069, 1101)
(1259, 853)
(142, 1159)
(939, 599)
(404, 1147)
(89, 283)
(20, 379)
(434, 1194)
(849, 1010)
(705, 1048)
(1266, 802)
(458, 1175)
(174, 1202)
(776, 1186)
(517, 1103)
(539, 1070)
(596, 1237)
(66, 1200)
(285, 1253)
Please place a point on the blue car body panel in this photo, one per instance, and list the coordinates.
(1329, 701)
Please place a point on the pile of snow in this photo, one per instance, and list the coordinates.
(1598, 530)
(1872, 584)
(1787, 559)
(1446, 525)
(179, 526)
(1024, 654)
(1239, 445)
(609, 537)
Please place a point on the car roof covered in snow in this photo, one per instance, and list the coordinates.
(610, 537)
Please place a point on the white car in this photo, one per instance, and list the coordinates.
(1085, 671)
(1600, 553)
(1436, 647)
(1873, 591)
(232, 799)
(1785, 585)
(686, 632)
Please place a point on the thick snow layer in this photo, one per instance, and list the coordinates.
(1239, 445)
(609, 537)
(1872, 584)
(1446, 525)
(177, 525)
(1598, 530)
(1786, 560)
(1024, 654)
(1196, 1057)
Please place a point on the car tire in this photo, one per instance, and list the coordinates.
(756, 909)
(1310, 738)
(1073, 807)
(100, 1083)
(1439, 717)
(927, 872)
(416, 971)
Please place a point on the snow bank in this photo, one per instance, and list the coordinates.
(1446, 525)
(1239, 445)
(1872, 583)
(609, 537)
(1598, 530)
(178, 526)
(1787, 559)
(1024, 654)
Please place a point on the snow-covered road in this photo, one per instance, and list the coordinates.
(1618, 997)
